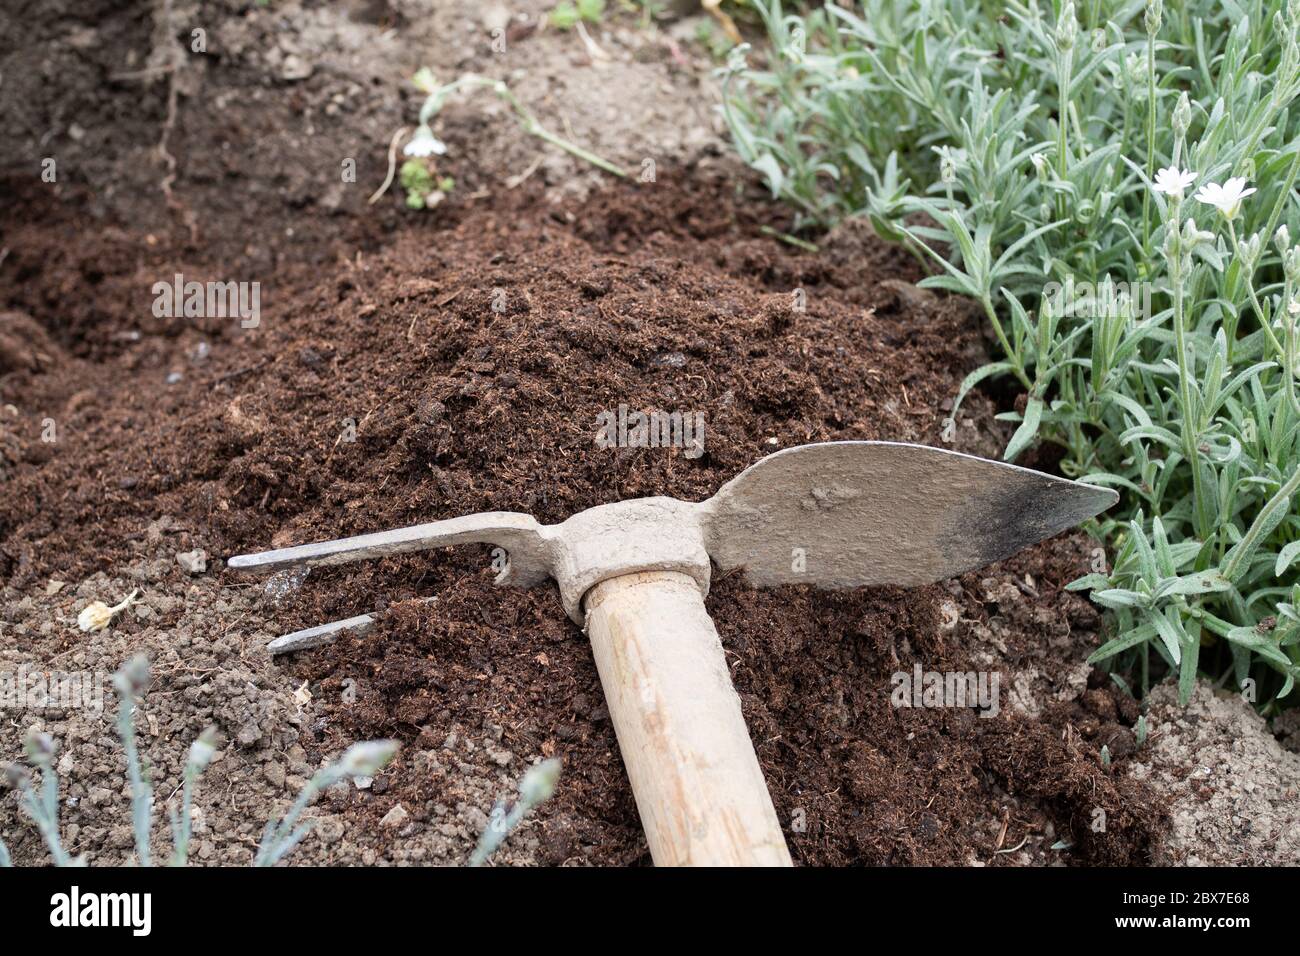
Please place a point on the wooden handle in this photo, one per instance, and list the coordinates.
(701, 795)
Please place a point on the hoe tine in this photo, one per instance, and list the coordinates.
(507, 529)
(320, 635)
(323, 634)
(519, 534)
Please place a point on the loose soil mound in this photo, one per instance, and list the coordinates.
(460, 366)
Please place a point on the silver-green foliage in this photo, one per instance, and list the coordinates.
(42, 805)
(360, 760)
(364, 759)
(535, 788)
(1015, 146)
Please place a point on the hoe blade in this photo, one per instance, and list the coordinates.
(845, 514)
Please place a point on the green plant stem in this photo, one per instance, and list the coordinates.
(527, 120)
(573, 149)
(1012, 357)
(1180, 344)
(44, 810)
(141, 793)
(1065, 61)
(181, 852)
(1249, 280)
(1289, 372)
(1284, 194)
(1151, 145)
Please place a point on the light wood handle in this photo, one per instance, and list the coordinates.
(700, 792)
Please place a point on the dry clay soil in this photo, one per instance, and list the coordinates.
(410, 366)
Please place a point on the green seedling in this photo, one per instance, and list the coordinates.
(424, 189)
(424, 143)
(569, 13)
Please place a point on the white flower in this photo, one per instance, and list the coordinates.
(1226, 198)
(424, 143)
(1172, 181)
(97, 615)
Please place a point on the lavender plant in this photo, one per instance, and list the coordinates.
(535, 789)
(360, 760)
(1039, 156)
(280, 837)
(43, 805)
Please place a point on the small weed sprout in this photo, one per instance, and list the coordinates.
(423, 190)
(535, 789)
(569, 13)
(419, 175)
(42, 805)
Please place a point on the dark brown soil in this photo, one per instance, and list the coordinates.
(870, 784)
(655, 296)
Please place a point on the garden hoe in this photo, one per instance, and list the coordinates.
(634, 575)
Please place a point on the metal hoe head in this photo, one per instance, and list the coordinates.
(834, 515)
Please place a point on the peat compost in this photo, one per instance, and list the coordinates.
(461, 364)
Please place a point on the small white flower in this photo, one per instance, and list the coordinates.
(1226, 198)
(1172, 181)
(97, 615)
(424, 143)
